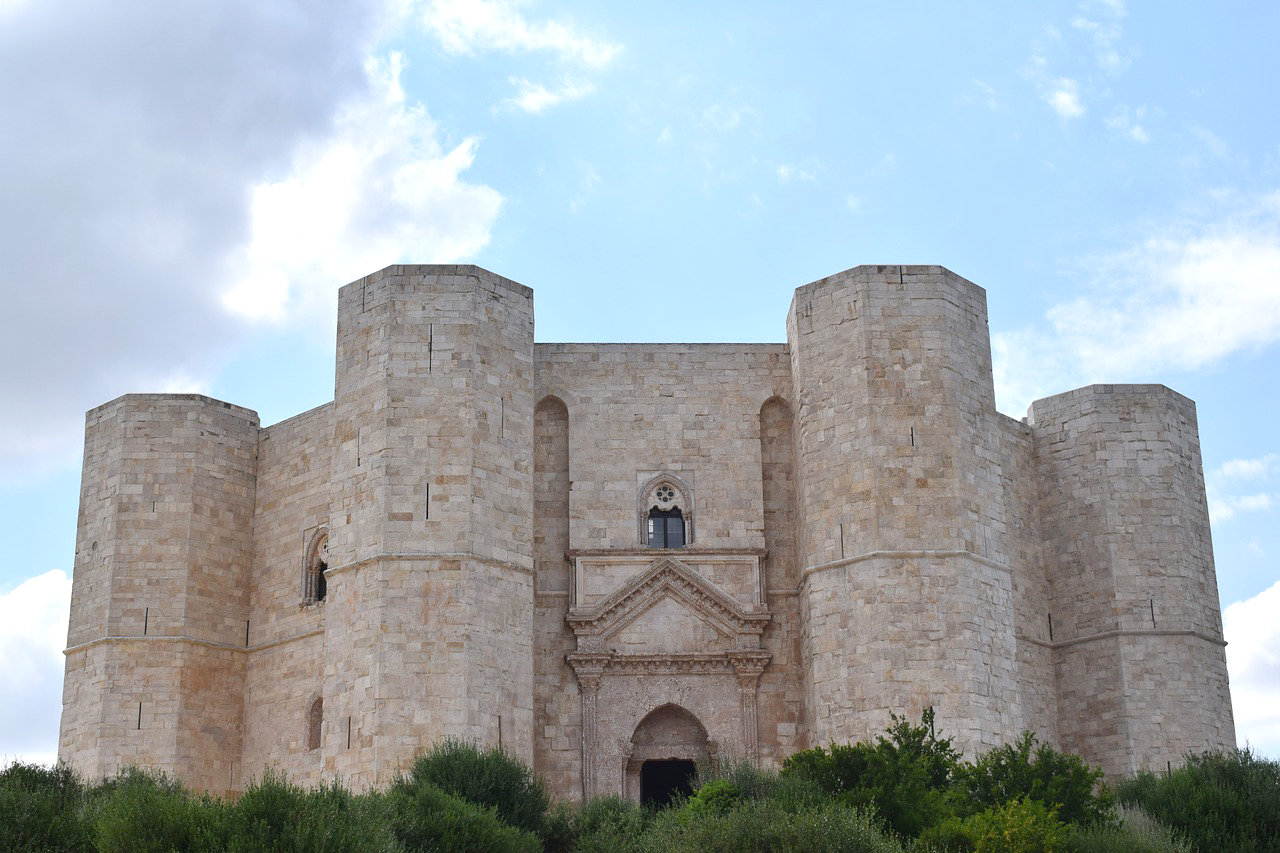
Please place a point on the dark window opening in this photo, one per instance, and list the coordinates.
(663, 782)
(666, 528)
(315, 718)
(321, 585)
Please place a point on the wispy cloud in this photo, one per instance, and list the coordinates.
(788, 172)
(1225, 483)
(1186, 294)
(1124, 122)
(1253, 662)
(1105, 31)
(535, 97)
(476, 26)
(722, 117)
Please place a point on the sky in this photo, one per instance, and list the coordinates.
(186, 186)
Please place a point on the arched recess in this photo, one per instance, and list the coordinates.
(665, 495)
(315, 721)
(315, 563)
(669, 740)
(777, 479)
(555, 702)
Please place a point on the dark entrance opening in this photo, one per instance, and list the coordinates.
(662, 781)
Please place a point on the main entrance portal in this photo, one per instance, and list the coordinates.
(663, 781)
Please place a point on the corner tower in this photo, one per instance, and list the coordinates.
(429, 614)
(159, 600)
(905, 590)
(1137, 629)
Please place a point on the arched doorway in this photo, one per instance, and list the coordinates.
(664, 750)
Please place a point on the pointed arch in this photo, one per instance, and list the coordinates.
(315, 563)
(664, 512)
(315, 723)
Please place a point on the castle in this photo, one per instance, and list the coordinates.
(611, 559)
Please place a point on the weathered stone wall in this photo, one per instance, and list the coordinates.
(285, 667)
(1140, 670)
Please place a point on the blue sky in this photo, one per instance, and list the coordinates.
(187, 189)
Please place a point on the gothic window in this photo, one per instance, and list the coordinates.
(315, 717)
(666, 513)
(317, 562)
(666, 528)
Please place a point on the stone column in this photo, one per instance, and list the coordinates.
(748, 666)
(588, 669)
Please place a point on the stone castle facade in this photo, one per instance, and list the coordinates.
(607, 556)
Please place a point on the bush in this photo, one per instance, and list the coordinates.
(1228, 801)
(486, 777)
(139, 812)
(1135, 831)
(904, 776)
(1025, 769)
(275, 815)
(423, 817)
(43, 808)
(1020, 826)
(608, 824)
(764, 825)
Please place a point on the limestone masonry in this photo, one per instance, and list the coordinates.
(607, 556)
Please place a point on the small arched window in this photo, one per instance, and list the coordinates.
(317, 563)
(315, 718)
(666, 513)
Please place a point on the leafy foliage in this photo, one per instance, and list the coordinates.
(423, 817)
(43, 808)
(1220, 801)
(904, 776)
(765, 825)
(486, 777)
(1037, 772)
(141, 812)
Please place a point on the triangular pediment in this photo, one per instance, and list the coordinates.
(694, 602)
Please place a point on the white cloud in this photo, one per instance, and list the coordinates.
(587, 184)
(475, 26)
(1253, 660)
(535, 97)
(853, 203)
(1249, 469)
(1184, 295)
(379, 190)
(1063, 95)
(33, 633)
(665, 136)
(1223, 481)
(1124, 122)
(143, 134)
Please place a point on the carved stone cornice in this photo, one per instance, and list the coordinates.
(667, 576)
(592, 667)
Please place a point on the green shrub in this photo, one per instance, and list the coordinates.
(43, 808)
(609, 824)
(715, 796)
(1219, 801)
(274, 815)
(1019, 826)
(486, 777)
(423, 817)
(1135, 831)
(1036, 771)
(140, 812)
(764, 825)
(905, 776)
